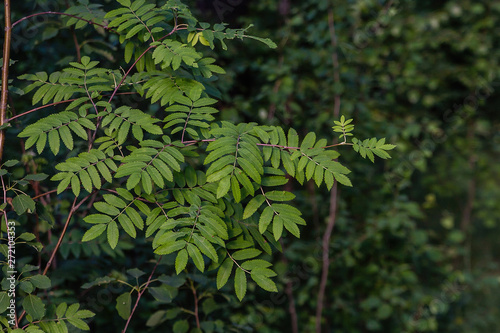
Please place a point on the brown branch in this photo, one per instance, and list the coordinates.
(140, 295)
(39, 108)
(56, 103)
(334, 193)
(59, 242)
(196, 299)
(5, 73)
(62, 14)
(77, 45)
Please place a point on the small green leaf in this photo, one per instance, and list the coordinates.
(342, 179)
(38, 177)
(264, 282)
(66, 137)
(235, 189)
(181, 326)
(135, 273)
(34, 306)
(246, 254)
(127, 225)
(240, 284)
(26, 286)
(124, 305)
(308, 141)
(23, 203)
(61, 310)
(224, 272)
(224, 185)
(253, 205)
(170, 247)
(97, 218)
(54, 141)
(94, 232)
(10, 163)
(40, 281)
(181, 261)
(112, 233)
(280, 195)
(205, 247)
(114, 200)
(4, 301)
(265, 219)
(195, 254)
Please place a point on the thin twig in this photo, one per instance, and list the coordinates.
(244, 270)
(62, 14)
(77, 45)
(56, 103)
(59, 242)
(334, 192)
(196, 314)
(5, 73)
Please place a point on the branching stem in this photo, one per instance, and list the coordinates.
(139, 295)
(62, 14)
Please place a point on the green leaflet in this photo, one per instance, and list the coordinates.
(112, 233)
(205, 247)
(265, 219)
(253, 205)
(240, 283)
(224, 272)
(255, 264)
(195, 254)
(277, 226)
(181, 261)
(246, 254)
(369, 147)
(224, 185)
(34, 306)
(124, 305)
(94, 232)
(23, 204)
(264, 282)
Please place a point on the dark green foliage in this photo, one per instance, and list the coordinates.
(162, 182)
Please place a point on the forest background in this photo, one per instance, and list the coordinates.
(413, 244)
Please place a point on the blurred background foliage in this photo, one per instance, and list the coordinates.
(415, 245)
